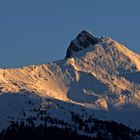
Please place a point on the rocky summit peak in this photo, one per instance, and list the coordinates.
(85, 34)
(83, 40)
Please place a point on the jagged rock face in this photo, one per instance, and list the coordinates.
(83, 40)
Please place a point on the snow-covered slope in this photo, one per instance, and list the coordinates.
(99, 74)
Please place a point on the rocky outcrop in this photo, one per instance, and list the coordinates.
(83, 40)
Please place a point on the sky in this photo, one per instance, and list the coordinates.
(39, 31)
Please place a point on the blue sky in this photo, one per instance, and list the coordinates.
(39, 31)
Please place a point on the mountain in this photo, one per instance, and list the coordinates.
(98, 77)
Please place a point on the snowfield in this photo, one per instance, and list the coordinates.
(100, 76)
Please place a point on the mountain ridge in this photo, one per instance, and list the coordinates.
(100, 74)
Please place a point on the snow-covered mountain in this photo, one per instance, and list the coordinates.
(98, 75)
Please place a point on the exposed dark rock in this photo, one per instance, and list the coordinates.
(83, 40)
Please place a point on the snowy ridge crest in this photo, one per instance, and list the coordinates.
(98, 74)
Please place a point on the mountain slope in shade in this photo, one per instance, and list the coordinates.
(98, 74)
